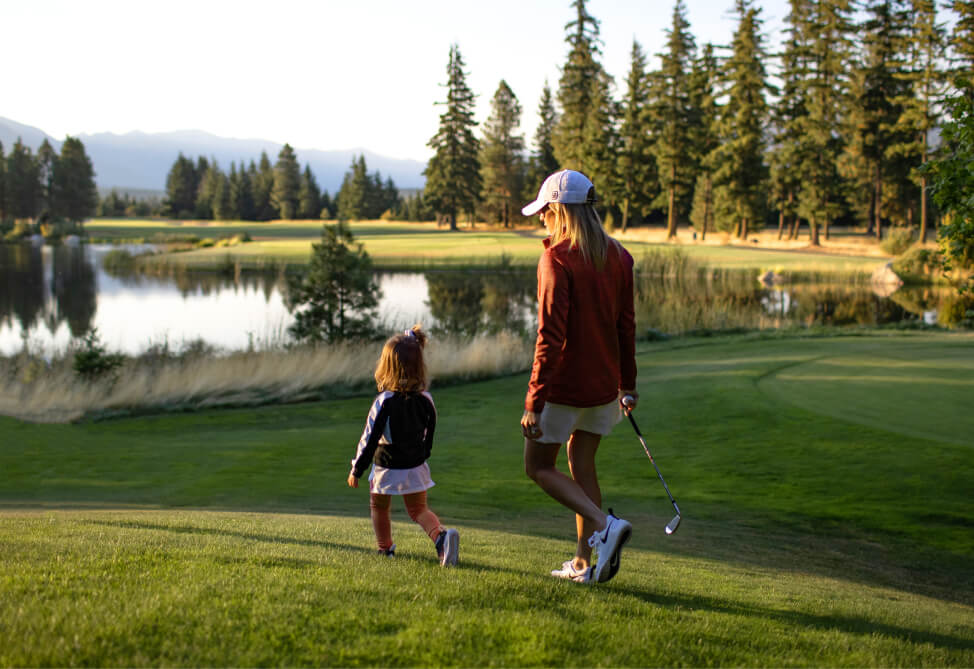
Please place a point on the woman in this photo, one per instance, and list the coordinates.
(584, 363)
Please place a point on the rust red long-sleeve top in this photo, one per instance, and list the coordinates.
(586, 346)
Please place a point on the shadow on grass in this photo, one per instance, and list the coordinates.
(249, 536)
(845, 624)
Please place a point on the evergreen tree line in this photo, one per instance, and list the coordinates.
(263, 191)
(259, 191)
(833, 128)
(47, 186)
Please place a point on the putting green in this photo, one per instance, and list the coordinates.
(918, 388)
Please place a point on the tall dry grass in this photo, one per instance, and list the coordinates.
(38, 391)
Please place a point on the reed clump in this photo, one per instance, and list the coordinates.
(37, 390)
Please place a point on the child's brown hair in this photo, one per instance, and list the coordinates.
(402, 367)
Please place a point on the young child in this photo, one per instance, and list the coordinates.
(397, 441)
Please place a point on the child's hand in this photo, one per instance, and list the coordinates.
(352, 481)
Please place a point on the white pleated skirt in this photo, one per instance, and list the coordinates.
(384, 481)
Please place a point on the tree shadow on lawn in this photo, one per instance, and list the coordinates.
(845, 624)
(465, 564)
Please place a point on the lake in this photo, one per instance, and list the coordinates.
(51, 295)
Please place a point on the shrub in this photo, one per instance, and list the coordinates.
(917, 264)
(92, 361)
(897, 241)
(118, 262)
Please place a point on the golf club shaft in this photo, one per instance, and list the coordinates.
(650, 456)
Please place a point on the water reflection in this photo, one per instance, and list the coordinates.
(470, 303)
(50, 296)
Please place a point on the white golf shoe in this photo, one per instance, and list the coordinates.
(609, 543)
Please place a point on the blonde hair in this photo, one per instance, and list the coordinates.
(581, 226)
(401, 366)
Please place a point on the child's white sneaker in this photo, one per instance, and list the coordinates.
(448, 547)
(568, 571)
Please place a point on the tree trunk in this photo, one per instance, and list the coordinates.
(744, 229)
(813, 232)
(794, 228)
(781, 223)
(625, 214)
(671, 214)
(826, 226)
(452, 219)
(923, 210)
(878, 198)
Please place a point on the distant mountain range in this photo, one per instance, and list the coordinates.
(138, 161)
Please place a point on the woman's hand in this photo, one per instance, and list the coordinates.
(529, 425)
(352, 481)
(629, 399)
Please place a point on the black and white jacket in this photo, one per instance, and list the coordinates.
(398, 432)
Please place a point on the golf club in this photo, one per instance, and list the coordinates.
(675, 523)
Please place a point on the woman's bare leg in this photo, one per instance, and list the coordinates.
(539, 464)
(582, 447)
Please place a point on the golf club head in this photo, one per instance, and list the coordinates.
(673, 524)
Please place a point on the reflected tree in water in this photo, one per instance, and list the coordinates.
(455, 301)
(22, 285)
(469, 303)
(74, 289)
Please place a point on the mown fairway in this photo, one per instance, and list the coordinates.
(825, 484)
(395, 245)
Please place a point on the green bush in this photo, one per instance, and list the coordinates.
(917, 264)
(118, 262)
(92, 361)
(898, 241)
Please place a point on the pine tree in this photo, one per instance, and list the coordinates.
(601, 140)
(637, 165)
(23, 183)
(354, 195)
(223, 207)
(74, 192)
(338, 297)
(309, 195)
(703, 91)
(180, 199)
(877, 89)
(502, 167)
(287, 184)
(241, 194)
(46, 159)
(926, 86)
(826, 87)
(543, 161)
(209, 179)
(575, 89)
(453, 173)
(672, 108)
(262, 180)
(962, 43)
(740, 174)
(785, 157)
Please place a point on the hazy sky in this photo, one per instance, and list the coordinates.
(318, 74)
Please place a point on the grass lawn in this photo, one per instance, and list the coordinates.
(396, 245)
(825, 485)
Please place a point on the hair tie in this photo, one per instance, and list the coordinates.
(409, 333)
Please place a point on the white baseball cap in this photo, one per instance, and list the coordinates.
(565, 187)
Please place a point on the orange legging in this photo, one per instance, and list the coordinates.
(415, 507)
